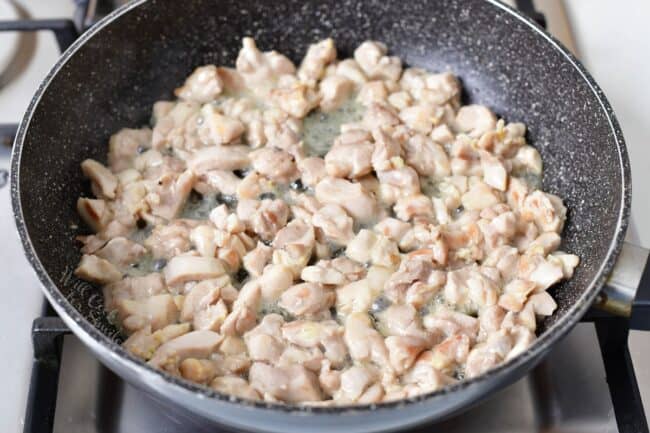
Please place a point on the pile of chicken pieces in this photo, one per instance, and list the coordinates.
(323, 280)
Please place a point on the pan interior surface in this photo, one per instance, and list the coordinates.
(113, 79)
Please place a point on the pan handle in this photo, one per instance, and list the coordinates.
(627, 290)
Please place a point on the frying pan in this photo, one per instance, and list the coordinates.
(110, 77)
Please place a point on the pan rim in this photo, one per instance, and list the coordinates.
(98, 341)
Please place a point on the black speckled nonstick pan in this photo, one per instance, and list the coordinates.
(111, 76)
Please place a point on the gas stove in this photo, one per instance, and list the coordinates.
(587, 383)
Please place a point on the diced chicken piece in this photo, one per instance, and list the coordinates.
(133, 288)
(356, 297)
(494, 172)
(397, 183)
(349, 159)
(338, 271)
(441, 88)
(124, 145)
(335, 223)
(195, 344)
(442, 134)
(387, 151)
(211, 317)
(415, 206)
(294, 245)
(221, 181)
(274, 281)
(265, 217)
(515, 294)
(104, 183)
(412, 271)
(420, 117)
(157, 312)
(167, 241)
(542, 304)
(350, 196)
(470, 289)
(379, 116)
(402, 320)
(425, 376)
(143, 343)
(480, 360)
(198, 370)
(312, 170)
(371, 57)
(181, 269)
(400, 100)
(293, 384)
(170, 194)
(97, 270)
(121, 251)
(545, 244)
(219, 158)
(403, 350)
(95, 212)
(264, 342)
(334, 91)
(479, 196)
(547, 210)
(569, 262)
(201, 295)
(234, 385)
(528, 160)
(363, 340)
(318, 56)
(475, 120)
(260, 69)
(274, 164)
(392, 228)
(311, 358)
(354, 381)
(370, 247)
(202, 86)
(255, 260)
(546, 273)
(239, 321)
(427, 157)
(450, 353)
(445, 322)
(349, 68)
(220, 129)
(297, 99)
(371, 92)
(306, 298)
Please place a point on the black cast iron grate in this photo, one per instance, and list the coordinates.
(48, 330)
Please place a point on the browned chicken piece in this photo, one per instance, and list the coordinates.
(412, 207)
(202, 86)
(387, 151)
(234, 385)
(392, 228)
(424, 377)
(103, 181)
(94, 212)
(124, 145)
(200, 296)
(217, 128)
(295, 98)
(318, 56)
(97, 270)
(403, 350)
